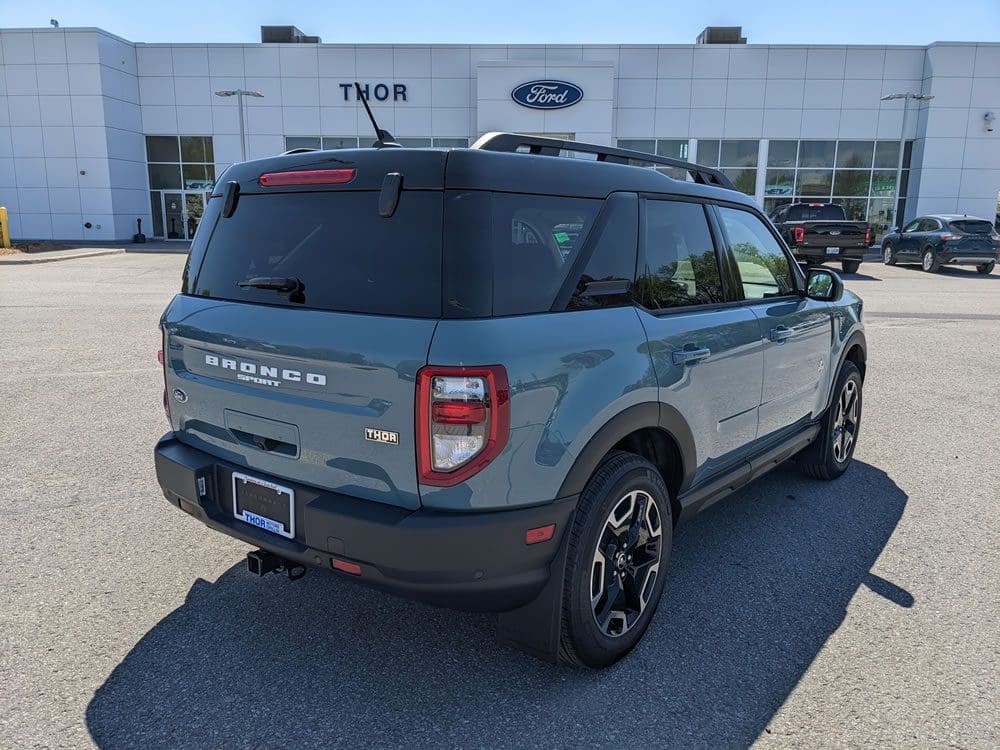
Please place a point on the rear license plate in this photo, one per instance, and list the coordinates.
(832, 250)
(264, 504)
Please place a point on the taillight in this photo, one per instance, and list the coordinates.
(947, 237)
(307, 177)
(463, 421)
(800, 234)
(868, 236)
(161, 357)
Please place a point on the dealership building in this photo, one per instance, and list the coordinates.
(97, 131)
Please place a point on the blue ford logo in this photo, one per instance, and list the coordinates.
(547, 94)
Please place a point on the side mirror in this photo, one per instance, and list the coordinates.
(824, 285)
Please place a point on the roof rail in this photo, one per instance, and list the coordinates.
(533, 144)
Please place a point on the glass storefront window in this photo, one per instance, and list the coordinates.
(780, 182)
(814, 183)
(884, 183)
(451, 143)
(880, 215)
(738, 154)
(854, 154)
(782, 153)
(196, 148)
(302, 142)
(745, 180)
(414, 142)
(674, 149)
(162, 148)
(854, 208)
(817, 153)
(852, 182)
(646, 145)
(164, 176)
(339, 141)
(708, 153)
(887, 155)
(198, 176)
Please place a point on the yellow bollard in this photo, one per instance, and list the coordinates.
(4, 230)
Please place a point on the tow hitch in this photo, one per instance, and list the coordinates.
(261, 562)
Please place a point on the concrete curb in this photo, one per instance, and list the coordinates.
(28, 258)
(158, 250)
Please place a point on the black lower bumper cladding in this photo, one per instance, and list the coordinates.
(465, 560)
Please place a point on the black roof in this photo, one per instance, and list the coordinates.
(474, 169)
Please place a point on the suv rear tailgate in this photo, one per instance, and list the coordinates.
(292, 393)
(306, 312)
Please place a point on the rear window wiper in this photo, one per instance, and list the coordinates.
(275, 283)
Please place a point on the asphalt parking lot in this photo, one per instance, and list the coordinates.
(797, 613)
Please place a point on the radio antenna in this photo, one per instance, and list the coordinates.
(384, 138)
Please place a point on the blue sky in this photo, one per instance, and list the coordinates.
(515, 21)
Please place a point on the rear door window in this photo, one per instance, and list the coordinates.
(346, 256)
(510, 253)
(763, 267)
(679, 265)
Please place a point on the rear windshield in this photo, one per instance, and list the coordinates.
(510, 253)
(825, 212)
(972, 226)
(346, 256)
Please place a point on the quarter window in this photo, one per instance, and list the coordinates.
(679, 266)
(762, 265)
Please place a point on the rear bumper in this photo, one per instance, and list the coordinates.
(473, 561)
(817, 253)
(967, 259)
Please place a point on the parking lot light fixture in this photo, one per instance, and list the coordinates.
(905, 96)
(239, 94)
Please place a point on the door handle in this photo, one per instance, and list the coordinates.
(781, 333)
(691, 356)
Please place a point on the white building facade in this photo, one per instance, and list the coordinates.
(97, 132)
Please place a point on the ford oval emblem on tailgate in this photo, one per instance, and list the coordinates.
(547, 94)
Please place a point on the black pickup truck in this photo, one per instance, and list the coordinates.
(818, 232)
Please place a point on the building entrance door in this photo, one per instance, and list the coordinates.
(182, 212)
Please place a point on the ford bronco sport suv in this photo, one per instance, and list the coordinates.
(495, 378)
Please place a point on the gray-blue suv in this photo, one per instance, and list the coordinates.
(495, 378)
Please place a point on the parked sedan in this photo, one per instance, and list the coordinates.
(944, 240)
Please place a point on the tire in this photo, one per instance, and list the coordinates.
(616, 491)
(888, 254)
(929, 262)
(850, 266)
(986, 267)
(830, 454)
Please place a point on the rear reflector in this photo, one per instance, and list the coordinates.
(458, 412)
(541, 534)
(307, 177)
(346, 567)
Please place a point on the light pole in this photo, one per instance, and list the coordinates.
(905, 96)
(239, 94)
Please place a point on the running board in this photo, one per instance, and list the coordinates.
(696, 500)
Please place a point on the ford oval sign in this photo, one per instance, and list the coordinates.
(547, 94)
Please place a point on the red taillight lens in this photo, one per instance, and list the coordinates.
(799, 233)
(868, 236)
(462, 421)
(307, 177)
(947, 237)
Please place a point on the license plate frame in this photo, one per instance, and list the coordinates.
(253, 515)
(833, 251)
